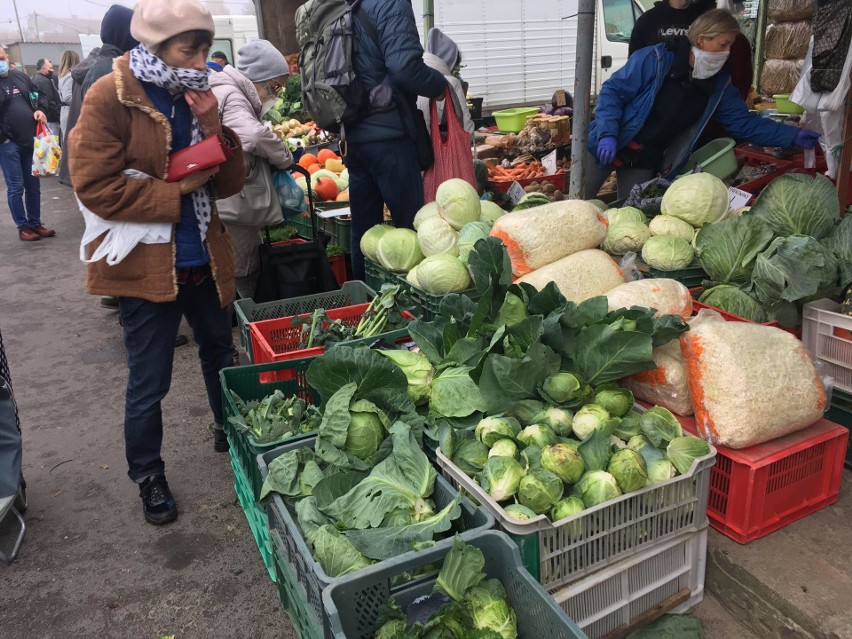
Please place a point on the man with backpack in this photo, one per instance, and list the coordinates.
(377, 103)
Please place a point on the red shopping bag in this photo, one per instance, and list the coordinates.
(453, 156)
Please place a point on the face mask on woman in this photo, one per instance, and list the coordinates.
(4, 67)
(708, 63)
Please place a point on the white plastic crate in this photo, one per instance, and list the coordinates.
(561, 553)
(827, 334)
(618, 594)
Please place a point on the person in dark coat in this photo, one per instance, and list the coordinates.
(78, 75)
(382, 149)
(116, 39)
(48, 94)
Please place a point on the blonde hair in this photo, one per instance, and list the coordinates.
(70, 59)
(712, 24)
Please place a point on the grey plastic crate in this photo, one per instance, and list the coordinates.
(308, 571)
(351, 293)
(353, 602)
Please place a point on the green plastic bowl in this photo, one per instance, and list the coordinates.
(783, 104)
(716, 158)
(513, 120)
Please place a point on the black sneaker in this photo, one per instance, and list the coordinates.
(157, 502)
(220, 441)
(109, 302)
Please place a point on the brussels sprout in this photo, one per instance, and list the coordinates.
(561, 387)
(519, 512)
(588, 418)
(531, 457)
(418, 370)
(683, 451)
(595, 487)
(661, 470)
(365, 433)
(470, 456)
(617, 401)
(628, 468)
(558, 419)
(538, 435)
(504, 448)
(490, 429)
(567, 507)
(564, 461)
(660, 426)
(628, 426)
(501, 477)
(539, 490)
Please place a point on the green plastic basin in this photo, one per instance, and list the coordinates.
(716, 158)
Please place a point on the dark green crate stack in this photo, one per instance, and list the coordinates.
(377, 276)
(840, 412)
(426, 306)
(339, 229)
(351, 293)
(291, 594)
(245, 382)
(293, 556)
(691, 277)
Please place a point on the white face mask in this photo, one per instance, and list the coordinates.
(708, 63)
(267, 104)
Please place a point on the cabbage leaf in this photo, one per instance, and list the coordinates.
(727, 249)
(797, 204)
(793, 268)
(839, 242)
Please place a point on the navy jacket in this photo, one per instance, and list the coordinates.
(625, 101)
(397, 62)
(189, 248)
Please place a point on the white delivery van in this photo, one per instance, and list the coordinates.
(518, 52)
(232, 32)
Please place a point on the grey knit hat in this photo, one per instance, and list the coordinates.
(259, 60)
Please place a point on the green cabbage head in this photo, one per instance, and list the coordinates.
(625, 237)
(399, 250)
(489, 212)
(596, 487)
(564, 461)
(670, 225)
(469, 235)
(628, 468)
(501, 477)
(458, 202)
(539, 490)
(370, 241)
(698, 199)
(442, 274)
(426, 211)
(436, 236)
(667, 253)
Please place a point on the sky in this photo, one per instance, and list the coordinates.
(60, 9)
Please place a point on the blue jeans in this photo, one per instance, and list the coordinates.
(17, 162)
(149, 337)
(384, 172)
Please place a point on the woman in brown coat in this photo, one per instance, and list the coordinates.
(157, 101)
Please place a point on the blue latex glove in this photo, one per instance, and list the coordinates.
(606, 150)
(805, 139)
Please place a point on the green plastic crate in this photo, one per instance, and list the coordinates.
(343, 232)
(691, 277)
(351, 293)
(291, 595)
(354, 601)
(303, 224)
(377, 275)
(310, 575)
(840, 412)
(255, 514)
(245, 382)
(426, 306)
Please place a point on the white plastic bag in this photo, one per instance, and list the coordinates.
(120, 237)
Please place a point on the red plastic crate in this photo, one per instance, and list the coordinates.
(756, 185)
(730, 317)
(338, 267)
(559, 180)
(277, 340)
(758, 490)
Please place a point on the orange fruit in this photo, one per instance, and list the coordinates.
(326, 189)
(313, 168)
(307, 159)
(325, 155)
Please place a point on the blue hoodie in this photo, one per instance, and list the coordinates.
(626, 99)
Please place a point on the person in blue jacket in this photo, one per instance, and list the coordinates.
(382, 150)
(652, 111)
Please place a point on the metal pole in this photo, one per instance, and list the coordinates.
(759, 40)
(582, 96)
(18, 18)
(428, 18)
(38, 35)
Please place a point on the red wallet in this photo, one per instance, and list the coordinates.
(206, 154)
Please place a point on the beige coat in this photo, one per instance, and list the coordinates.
(120, 128)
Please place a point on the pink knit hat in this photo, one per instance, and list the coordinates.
(155, 21)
